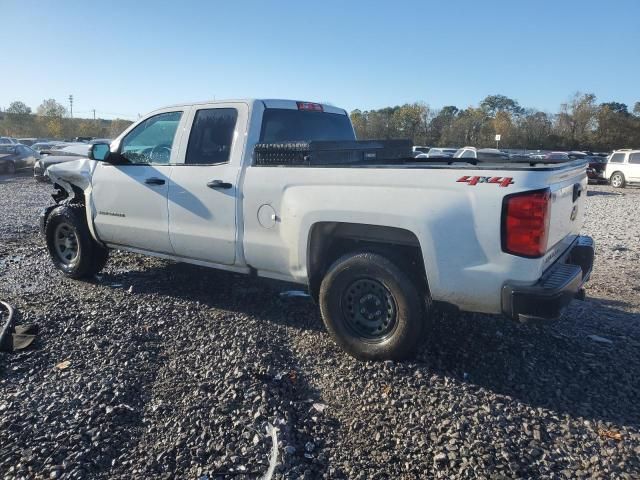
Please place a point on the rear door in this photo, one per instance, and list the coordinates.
(204, 189)
(130, 199)
(634, 167)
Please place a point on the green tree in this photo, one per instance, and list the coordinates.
(493, 104)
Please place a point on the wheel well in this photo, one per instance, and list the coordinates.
(328, 241)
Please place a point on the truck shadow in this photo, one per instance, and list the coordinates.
(552, 365)
(592, 193)
(556, 366)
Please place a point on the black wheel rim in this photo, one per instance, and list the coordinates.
(369, 309)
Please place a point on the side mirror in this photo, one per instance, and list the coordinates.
(99, 152)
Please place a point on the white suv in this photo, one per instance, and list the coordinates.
(623, 166)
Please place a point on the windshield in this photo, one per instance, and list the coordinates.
(284, 125)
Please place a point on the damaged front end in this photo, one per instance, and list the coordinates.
(71, 181)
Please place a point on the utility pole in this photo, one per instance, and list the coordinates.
(94, 114)
(71, 104)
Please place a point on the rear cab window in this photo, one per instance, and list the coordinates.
(288, 125)
(634, 157)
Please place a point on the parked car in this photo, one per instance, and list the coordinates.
(14, 157)
(44, 147)
(8, 141)
(65, 154)
(623, 167)
(420, 149)
(441, 152)
(556, 157)
(375, 246)
(27, 141)
(473, 153)
(596, 167)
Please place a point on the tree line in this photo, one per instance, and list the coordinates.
(51, 120)
(580, 124)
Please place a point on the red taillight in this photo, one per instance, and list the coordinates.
(314, 107)
(525, 223)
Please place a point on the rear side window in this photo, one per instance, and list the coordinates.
(617, 158)
(211, 136)
(284, 125)
(634, 158)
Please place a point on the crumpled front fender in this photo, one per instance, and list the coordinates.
(77, 173)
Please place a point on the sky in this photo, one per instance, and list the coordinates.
(124, 58)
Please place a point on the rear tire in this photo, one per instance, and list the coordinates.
(618, 180)
(372, 308)
(71, 247)
(10, 168)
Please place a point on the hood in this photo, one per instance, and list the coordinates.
(5, 155)
(76, 173)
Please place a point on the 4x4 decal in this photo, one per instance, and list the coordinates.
(502, 181)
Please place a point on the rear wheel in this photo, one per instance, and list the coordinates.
(70, 244)
(618, 180)
(372, 308)
(10, 168)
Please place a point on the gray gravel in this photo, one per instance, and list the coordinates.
(176, 370)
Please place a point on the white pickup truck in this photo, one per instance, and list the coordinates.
(377, 241)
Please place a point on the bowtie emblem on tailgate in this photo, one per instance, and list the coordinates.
(501, 181)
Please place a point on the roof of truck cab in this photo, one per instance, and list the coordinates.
(268, 102)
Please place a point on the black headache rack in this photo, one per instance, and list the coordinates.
(323, 152)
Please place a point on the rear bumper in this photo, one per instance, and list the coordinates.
(563, 281)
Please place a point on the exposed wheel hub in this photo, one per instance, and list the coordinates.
(369, 309)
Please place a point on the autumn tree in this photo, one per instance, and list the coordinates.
(118, 126)
(577, 120)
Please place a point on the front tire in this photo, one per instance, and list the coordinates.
(372, 308)
(10, 168)
(71, 247)
(618, 180)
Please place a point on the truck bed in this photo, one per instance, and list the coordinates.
(381, 154)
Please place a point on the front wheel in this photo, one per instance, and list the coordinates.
(617, 180)
(10, 168)
(372, 308)
(70, 244)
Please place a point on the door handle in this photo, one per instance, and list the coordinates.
(154, 181)
(219, 184)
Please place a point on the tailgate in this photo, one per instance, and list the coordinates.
(568, 198)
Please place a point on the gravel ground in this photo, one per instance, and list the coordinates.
(174, 370)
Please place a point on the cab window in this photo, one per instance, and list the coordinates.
(151, 141)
